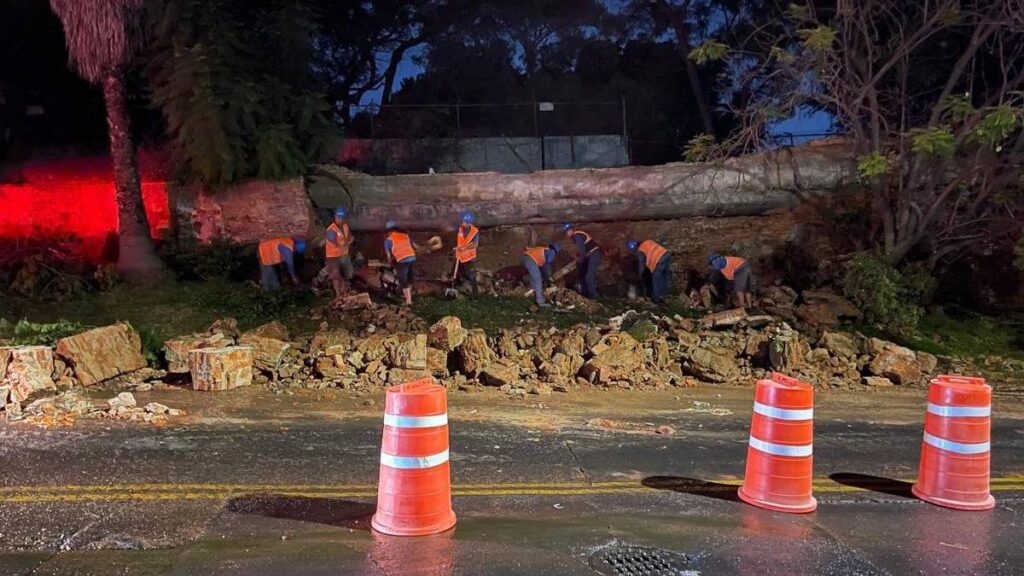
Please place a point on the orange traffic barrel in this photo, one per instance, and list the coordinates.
(955, 453)
(779, 457)
(414, 494)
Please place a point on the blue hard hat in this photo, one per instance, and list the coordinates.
(390, 224)
(300, 245)
(567, 226)
(341, 212)
(631, 245)
(716, 261)
(468, 217)
(554, 247)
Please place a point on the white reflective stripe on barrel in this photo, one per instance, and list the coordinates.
(415, 421)
(957, 447)
(795, 451)
(783, 413)
(413, 462)
(960, 411)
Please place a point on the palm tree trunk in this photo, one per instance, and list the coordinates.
(136, 259)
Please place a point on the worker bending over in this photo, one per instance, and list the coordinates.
(731, 274)
(538, 261)
(336, 251)
(401, 255)
(588, 259)
(467, 239)
(274, 252)
(652, 268)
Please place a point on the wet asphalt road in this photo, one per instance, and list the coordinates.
(258, 484)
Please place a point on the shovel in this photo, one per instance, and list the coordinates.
(450, 293)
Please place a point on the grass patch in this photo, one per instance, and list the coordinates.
(170, 309)
(961, 333)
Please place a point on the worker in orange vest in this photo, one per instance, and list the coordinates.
(588, 259)
(401, 255)
(336, 251)
(467, 240)
(274, 252)
(652, 267)
(538, 261)
(731, 273)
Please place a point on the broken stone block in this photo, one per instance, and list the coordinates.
(267, 352)
(29, 370)
(274, 329)
(475, 353)
(221, 368)
(176, 350)
(724, 319)
(785, 349)
(330, 339)
(928, 362)
(226, 326)
(617, 356)
(542, 390)
(447, 334)
(102, 353)
(500, 373)
(712, 366)
(898, 364)
(506, 345)
(122, 400)
(839, 345)
(875, 381)
(408, 351)
(353, 301)
(402, 375)
(437, 362)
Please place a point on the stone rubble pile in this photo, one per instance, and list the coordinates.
(64, 408)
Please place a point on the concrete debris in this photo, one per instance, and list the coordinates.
(221, 368)
(102, 353)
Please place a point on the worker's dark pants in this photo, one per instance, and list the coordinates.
(659, 279)
(403, 273)
(467, 272)
(268, 277)
(588, 273)
(537, 276)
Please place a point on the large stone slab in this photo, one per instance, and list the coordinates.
(408, 351)
(475, 353)
(102, 353)
(617, 357)
(221, 368)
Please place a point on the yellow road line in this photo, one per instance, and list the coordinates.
(193, 491)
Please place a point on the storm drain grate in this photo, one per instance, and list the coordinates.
(638, 561)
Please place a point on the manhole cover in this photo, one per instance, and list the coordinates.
(638, 561)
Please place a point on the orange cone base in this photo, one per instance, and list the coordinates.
(988, 504)
(810, 506)
(396, 529)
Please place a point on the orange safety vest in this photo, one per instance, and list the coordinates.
(401, 246)
(467, 254)
(537, 253)
(269, 252)
(343, 236)
(653, 253)
(732, 264)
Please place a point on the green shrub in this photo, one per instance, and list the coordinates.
(886, 296)
(32, 334)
